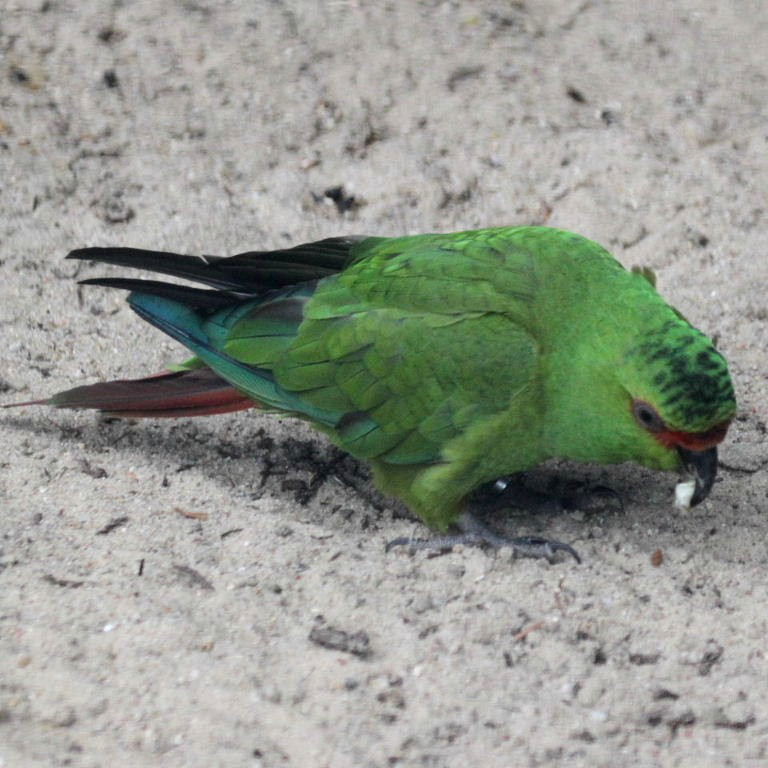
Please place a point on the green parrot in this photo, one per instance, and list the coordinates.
(445, 361)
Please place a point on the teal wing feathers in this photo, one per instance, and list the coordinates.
(195, 332)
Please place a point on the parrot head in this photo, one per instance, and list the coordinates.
(682, 399)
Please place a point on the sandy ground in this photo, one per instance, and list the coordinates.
(164, 587)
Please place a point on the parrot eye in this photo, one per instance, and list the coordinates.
(647, 417)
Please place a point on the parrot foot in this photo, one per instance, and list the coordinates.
(474, 533)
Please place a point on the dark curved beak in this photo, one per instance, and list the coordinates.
(703, 464)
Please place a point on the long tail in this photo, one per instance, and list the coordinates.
(198, 392)
(179, 310)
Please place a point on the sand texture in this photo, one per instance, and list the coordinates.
(215, 592)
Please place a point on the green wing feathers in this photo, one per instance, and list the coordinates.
(488, 272)
(406, 384)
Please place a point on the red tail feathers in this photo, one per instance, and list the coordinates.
(198, 392)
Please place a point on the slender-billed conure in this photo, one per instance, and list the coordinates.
(443, 360)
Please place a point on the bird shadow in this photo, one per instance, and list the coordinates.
(255, 458)
(251, 459)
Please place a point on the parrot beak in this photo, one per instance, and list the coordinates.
(703, 464)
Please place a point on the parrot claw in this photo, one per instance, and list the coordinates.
(437, 544)
(536, 546)
(473, 533)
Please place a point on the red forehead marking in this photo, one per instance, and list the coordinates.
(694, 441)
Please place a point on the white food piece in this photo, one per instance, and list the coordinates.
(684, 491)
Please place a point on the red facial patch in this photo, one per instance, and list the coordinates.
(693, 441)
